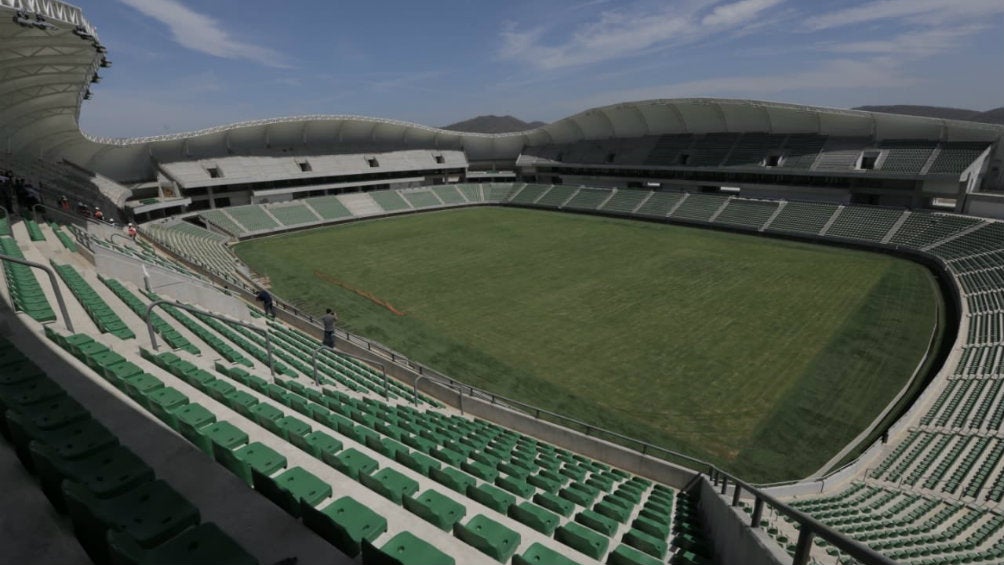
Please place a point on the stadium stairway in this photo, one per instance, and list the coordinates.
(337, 471)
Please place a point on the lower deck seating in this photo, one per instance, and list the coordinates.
(25, 292)
(861, 222)
(100, 313)
(625, 201)
(750, 213)
(118, 509)
(803, 217)
(660, 204)
(699, 206)
(294, 214)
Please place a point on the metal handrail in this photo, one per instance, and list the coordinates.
(454, 385)
(808, 527)
(321, 349)
(194, 310)
(52, 281)
(129, 240)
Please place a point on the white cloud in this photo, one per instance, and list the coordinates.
(837, 74)
(626, 32)
(737, 13)
(914, 44)
(202, 33)
(916, 11)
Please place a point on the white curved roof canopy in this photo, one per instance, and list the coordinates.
(45, 71)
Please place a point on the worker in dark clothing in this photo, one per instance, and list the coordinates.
(329, 319)
(267, 304)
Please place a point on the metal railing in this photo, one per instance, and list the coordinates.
(314, 358)
(52, 281)
(808, 527)
(194, 310)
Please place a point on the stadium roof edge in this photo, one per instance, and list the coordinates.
(627, 119)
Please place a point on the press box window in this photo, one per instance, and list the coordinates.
(214, 172)
(304, 166)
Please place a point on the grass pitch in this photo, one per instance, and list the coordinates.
(763, 356)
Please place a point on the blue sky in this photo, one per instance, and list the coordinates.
(180, 65)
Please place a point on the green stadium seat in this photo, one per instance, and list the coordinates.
(417, 461)
(291, 489)
(70, 441)
(516, 486)
(627, 555)
(390, 484)
(436, 508)
(242, 402)
(105, 473)
(582, 539)
(404, 549)
(651, 527)
(164, 400)
(574, 493)
(253, 456)
(29, 391)
(554, 503)
(48, 414)
(452, 478)
(190, 419)
(536, 517)
(597, 521)
(353, 463)
(205, 544)
(288, 427)
(266, 413)
(647, 543)
(319, 444)
(480, 470)
(221, 435)
(139, 385)
(492, 497)
(149, 515)
(538, 554)
(219, 389)
(344, 523)
(489, 537)
(613, 511)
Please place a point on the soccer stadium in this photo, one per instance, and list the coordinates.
(683, 331)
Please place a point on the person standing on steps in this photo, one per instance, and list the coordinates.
(328, 319)
(267, 304)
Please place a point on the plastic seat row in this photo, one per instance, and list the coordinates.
(25, 292)
(97, 309)
(338, 411)
(119, 511)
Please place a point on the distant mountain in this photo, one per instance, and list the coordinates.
(493, 124)
(995, 116)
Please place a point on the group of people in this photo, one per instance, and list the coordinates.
(17, 192)
(328, 320)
